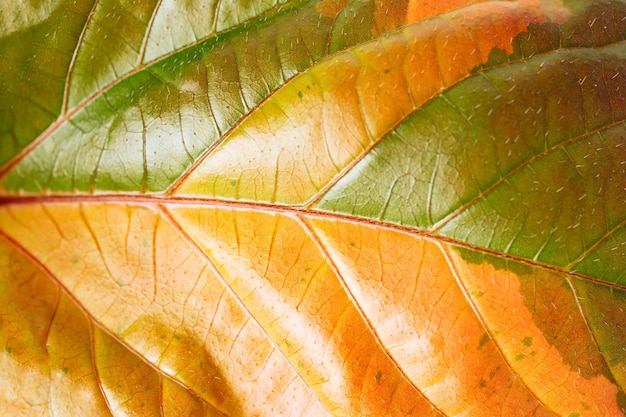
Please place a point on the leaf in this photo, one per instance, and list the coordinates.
(313, 208)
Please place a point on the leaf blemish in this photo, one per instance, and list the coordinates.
(483, 341)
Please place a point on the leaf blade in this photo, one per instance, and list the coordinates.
(222, 297)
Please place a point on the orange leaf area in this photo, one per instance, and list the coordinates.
(45, 352)
(544, 337)
(136, 276)
(224, 309)
(307, 133)
(405, 287)
(54, 362)
(287, 284)
(421, 9)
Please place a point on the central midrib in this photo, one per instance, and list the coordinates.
(155, 202)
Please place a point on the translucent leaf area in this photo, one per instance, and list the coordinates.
(313, 208)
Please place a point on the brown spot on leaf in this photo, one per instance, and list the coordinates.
(483, 341)
(330, 8)
(389, 15)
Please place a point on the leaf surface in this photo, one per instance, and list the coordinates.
(313, 208)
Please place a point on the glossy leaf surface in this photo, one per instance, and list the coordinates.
(313, 208)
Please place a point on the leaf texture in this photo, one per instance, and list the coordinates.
(313, 208)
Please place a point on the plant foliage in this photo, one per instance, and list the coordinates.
(313, 208)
